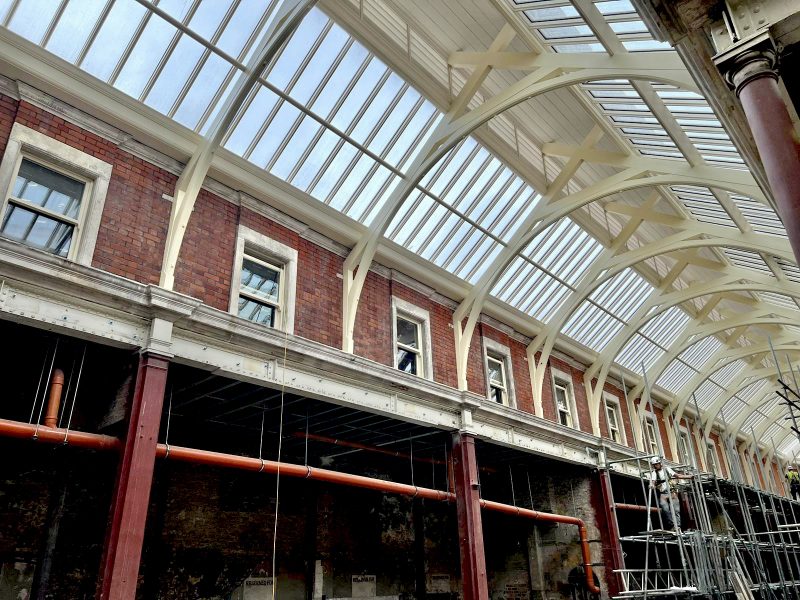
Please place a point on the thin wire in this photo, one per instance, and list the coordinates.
(411, 460)
(169, 418)
(66, 393)
(511, 478)
(75, 395)
(305, 457)
(278, 472)
(261, 441)
(44, 393)
(39, 386)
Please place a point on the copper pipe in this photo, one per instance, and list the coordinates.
(81, 439)
(231, 461)
(55, 435)
(621, 506)
(54, 401)
(553, 518)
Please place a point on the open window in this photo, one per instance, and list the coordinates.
(264, 281)
(411, 339)
(564, 399)
(54, 195)
(499, 374)
(616, 432)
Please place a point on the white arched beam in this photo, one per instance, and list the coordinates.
(753, 406)
(452, 130)
(658, 303)
(724, 357)
(545, 215)
(290, 14)
(610, 265)
(742, 382)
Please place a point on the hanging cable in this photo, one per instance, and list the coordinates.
(169, 418)
(278, 471)
(66, 393)
(75, 395)
(44, 395)
(39, 386)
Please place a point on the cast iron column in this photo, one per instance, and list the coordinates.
(468, 507)
(615, 550)
(754, 77)
(125, 534)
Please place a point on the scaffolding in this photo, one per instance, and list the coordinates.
(738, 540)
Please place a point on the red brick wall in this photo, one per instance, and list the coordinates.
(372, 334)
(8, 113)
(205, 265)
(318, 304)
(130, 242)
(519, 366)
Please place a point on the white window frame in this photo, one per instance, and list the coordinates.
(685, 437)
(257, 246)
(711, 452)
(650, 420)
(502, 354)
(24, 142)
(420, 316)
(564, 380)
(611, 401)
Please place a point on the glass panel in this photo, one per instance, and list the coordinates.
(113, 38)
(144, 57)
(407, 333)
(554, 33)
(551, 14)
(74, 27)
(257, 312)
(37, 230)
(407, 361)
(497, 395)
(48, 189)
(261, 281)
(32, 18)
(175, 74)
(496, 371)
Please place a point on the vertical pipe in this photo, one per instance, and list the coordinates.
(468, 508)
(54, 401)
(125, 533)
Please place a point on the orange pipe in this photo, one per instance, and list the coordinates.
(553, 518)
(54, 401)
(96, 441)
(621, 506)
(55, 435)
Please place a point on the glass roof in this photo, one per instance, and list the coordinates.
(331, 118)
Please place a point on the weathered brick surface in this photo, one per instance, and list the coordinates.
(205, 264)
(133, 229)
(318, 309)
(372, 333)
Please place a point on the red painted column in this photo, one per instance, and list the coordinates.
(756, 82)
(613, 546)
(468, 508)
(125, 534)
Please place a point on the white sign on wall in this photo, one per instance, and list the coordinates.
(257, 588)
(364, 586)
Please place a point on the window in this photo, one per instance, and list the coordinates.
(497, 380)
(614, 420)
(499, 374)
(687, 455)
(562, 404)
(263, 286)
(711, 463)
(566, 413)
(260, 291)
(652, 440)
(54, 195)
(408, 353)
(412, 340)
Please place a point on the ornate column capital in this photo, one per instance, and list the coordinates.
(749, 65)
